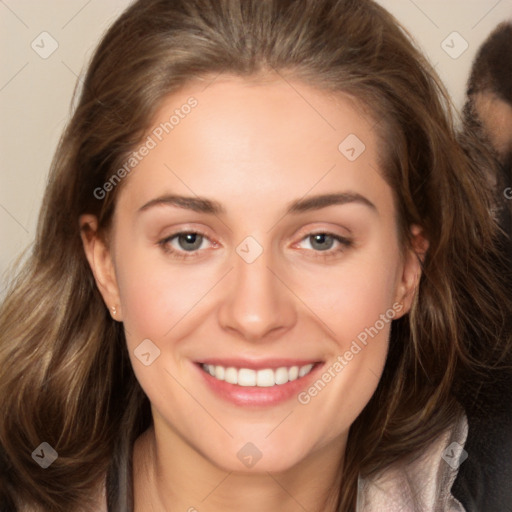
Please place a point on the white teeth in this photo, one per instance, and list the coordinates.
(220, 372)
(281, 375)
(231, 375)
(265, 378)
(304, 370)
(246, 377)
(260, 378)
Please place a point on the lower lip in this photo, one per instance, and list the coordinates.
(254, 395)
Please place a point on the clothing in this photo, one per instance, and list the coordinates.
(484, 481)
(423, 485)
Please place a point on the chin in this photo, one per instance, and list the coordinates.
(261, 455)
(277, 461)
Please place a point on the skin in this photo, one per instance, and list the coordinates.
(254, 147)
(496, 117)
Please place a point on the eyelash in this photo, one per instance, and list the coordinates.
(345, 243)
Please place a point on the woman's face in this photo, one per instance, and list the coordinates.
(257, 240)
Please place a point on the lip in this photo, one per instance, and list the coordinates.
(255, 396)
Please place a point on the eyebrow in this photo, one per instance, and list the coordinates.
(208, 206)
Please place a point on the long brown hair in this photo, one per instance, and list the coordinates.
(65, 374)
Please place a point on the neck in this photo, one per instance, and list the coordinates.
(170, 476)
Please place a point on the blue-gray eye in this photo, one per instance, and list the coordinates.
(321, 241)
(189, 241)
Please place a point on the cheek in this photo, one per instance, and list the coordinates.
(357, 302)
(156, 294)
(351, 375)
(352, 296)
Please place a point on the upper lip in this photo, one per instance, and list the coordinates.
(257, 364)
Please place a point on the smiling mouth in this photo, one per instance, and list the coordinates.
(263, 378)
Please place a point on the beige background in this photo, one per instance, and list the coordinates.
(36, 92)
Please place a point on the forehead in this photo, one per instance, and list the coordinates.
(245, 141)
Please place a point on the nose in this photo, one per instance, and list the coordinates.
(257, 305)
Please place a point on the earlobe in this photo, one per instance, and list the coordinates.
(412, 268)
(100, 260)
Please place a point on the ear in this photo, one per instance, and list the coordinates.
(411, 270)
(100, 260)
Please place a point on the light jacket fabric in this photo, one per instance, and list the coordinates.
(423, 484)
